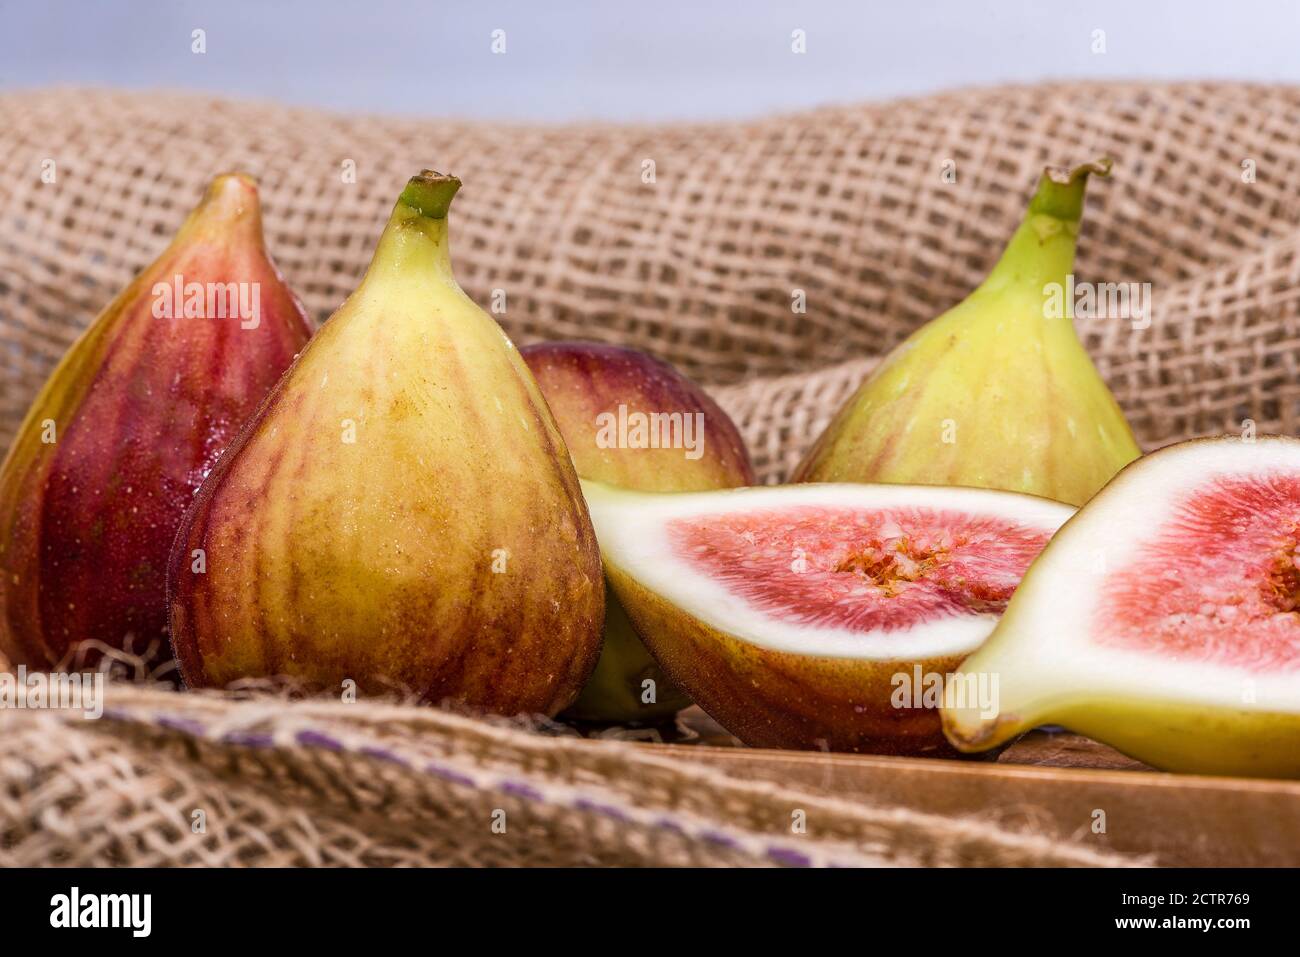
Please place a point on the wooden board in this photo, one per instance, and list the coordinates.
(1053, 782)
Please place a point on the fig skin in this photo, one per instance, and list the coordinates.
(993, 393)
(582, 381)
(142, 407)
(445, 551)
(774, 699)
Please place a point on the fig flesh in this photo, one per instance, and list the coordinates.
(1163, 620)
(401, 513)
(127, 426)
(636, 422)
(818, 616)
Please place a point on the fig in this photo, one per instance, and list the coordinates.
(127, 426)
(1163, 619)
(401, 512)
(819, 616)
(633, 421)
(997, 392)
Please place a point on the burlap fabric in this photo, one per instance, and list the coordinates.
(696, 243)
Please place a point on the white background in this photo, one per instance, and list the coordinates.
(629, 59)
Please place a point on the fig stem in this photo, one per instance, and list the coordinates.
(430, 194)
(1042, 249)
(415, 244)
(1060, 191)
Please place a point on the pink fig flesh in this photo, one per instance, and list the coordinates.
(1233, 604)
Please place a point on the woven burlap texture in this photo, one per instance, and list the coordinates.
(695, 243)
(321, 783)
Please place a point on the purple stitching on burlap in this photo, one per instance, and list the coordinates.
(318, 739)
(717, 837)
(187, 725)
(584, 804)
(248, 739)
(383, 754)
(519, 789)
(447, 774)
(783, 855)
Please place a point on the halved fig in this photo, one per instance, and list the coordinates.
(819, 616)
(1164, 619)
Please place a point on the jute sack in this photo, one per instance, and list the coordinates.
(774, 261)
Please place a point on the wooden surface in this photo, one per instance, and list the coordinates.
(1055, 783)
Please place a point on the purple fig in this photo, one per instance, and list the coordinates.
(129, 423)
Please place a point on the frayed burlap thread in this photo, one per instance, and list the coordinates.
(773, 260)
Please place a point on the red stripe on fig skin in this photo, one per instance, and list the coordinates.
(773, 699)
(456, 671)
(143, 407)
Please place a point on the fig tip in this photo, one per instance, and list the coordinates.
(233, 181)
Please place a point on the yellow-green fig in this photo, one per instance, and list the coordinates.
(997, 392)
(634, 421)
(401, 512)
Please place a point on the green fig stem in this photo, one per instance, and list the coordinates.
(414, 244)
(430, 194)
(1060, 191)
(1042, 249)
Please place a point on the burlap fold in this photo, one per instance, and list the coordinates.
(772, 260)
